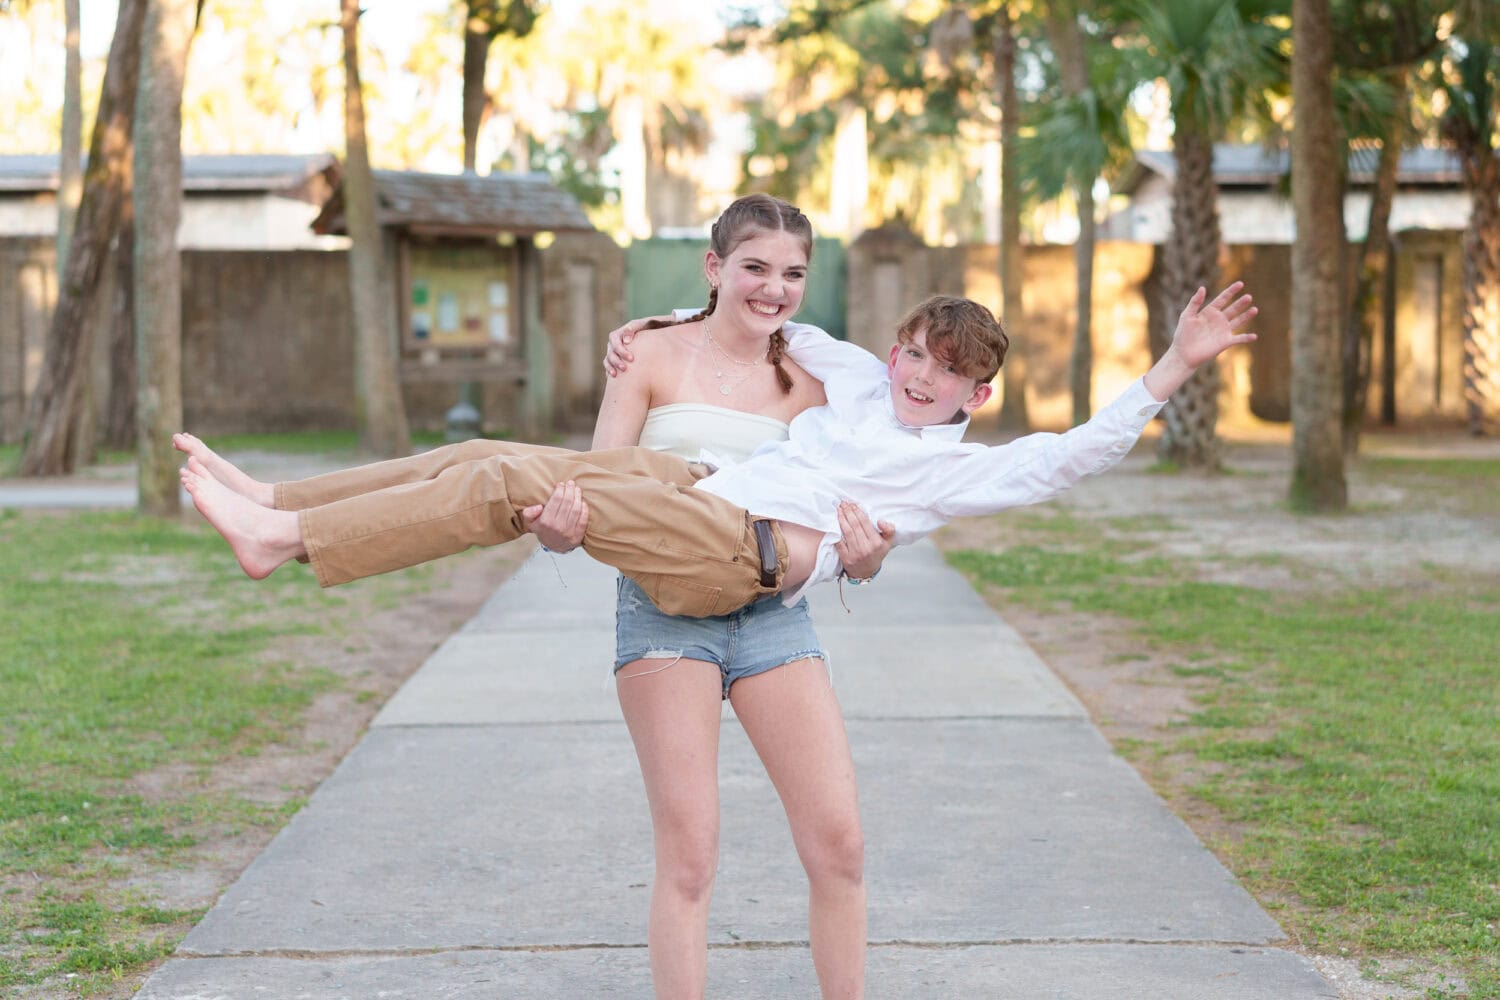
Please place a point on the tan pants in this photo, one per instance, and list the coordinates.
(692, 553)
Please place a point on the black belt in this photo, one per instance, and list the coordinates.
(766, 542)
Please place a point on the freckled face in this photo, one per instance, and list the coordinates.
(761, 282)
(925, 390)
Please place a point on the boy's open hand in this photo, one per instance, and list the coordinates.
(617, 356)
(1206, 331)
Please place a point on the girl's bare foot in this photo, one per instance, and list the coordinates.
(261, 539)
(225, 471)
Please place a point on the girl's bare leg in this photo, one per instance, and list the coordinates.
(226, 472)
(673, 715)
(260, 538)
(792, 718)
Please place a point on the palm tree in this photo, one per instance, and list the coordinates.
(1217, 61)
(1077, 134)
(1472, 86)
(850, 121)
(642, 74)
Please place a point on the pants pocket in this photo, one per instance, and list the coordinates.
(677, 596)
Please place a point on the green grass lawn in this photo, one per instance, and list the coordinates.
(130, 649)
(1348, 733)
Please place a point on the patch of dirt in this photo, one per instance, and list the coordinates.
(1237, 528)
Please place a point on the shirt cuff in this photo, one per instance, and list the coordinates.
(1137, 399)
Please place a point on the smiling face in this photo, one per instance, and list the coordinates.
(926, 390)
(760, 282)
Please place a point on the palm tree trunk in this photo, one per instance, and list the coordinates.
(1190, 261)
(1013, 413)
(1370, 265)
(382, 414)
(1317, 199)
(51, 418)
(1481, 245)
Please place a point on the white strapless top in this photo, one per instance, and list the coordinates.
(689, 429)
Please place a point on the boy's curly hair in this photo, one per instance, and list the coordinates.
(961, 332)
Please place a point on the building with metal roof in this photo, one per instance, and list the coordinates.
(1255, 199)
(239, 202)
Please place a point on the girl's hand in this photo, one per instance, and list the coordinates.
(863, 546)
(617, 356)
(560, 522)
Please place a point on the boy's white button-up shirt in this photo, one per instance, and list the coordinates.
(917, 478)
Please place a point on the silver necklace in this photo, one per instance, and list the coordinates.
(727, 383)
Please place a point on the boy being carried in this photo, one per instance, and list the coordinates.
(702, 541)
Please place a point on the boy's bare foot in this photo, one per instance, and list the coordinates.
(225, 471)
(261, 539)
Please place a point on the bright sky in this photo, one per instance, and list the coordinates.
(391, 23)
(388, 27)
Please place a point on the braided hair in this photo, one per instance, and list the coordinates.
(745, 219)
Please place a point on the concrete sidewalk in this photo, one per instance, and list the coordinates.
(489, 836)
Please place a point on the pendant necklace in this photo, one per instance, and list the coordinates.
(725, 388)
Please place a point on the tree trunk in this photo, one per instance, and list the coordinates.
(1317, 438)
(53, 412)
(1370, 265)
(70, 165)
(477, 35)
(1482, 290)
(1081, 364)
(118, 419)
(1013, 412)
(381, 413)
(1190, 261)
(157, 261)
(1067, 40)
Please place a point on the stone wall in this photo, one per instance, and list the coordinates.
(28, 290)
(583, 299)
(267, 344)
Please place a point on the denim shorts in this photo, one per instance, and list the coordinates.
(758, 637)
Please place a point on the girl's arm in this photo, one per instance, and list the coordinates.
(822, 356)
(811, 348)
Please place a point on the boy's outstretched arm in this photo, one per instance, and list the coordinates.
(1204, 331)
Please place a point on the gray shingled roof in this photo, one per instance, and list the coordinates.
(1256, 166)
(511, 203)
(254, 172)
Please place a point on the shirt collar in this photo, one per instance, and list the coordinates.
(949, 432)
